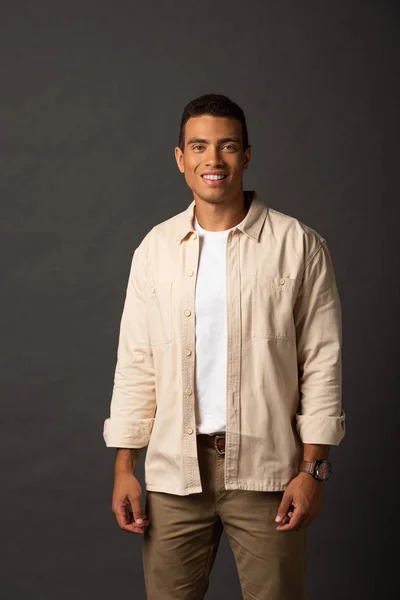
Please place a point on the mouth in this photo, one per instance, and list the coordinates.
(214, 179)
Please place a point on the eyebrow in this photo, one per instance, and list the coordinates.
(220, 141)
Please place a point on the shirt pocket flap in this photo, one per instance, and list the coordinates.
(274, 297)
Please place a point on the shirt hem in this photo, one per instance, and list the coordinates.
(266, 486)
(167, 490)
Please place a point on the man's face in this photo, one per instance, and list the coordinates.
(213, 146)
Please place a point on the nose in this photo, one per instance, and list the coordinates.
(214, 157)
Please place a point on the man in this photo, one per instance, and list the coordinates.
(229, 371)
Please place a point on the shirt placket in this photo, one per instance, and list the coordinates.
(190, 254)
(234, 341)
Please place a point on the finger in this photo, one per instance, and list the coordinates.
(138, 514)
(125, 518)
(294, 521)
(284, 507)
(285, 520)
(142, 525)
(131, 519)
(121, 515)
(290, 527)
(132, 528)
(126, 524)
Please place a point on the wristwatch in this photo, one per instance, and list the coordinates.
(321, 470)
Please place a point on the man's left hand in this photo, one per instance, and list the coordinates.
(301, 502)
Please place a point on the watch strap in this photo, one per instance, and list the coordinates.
(307, 467)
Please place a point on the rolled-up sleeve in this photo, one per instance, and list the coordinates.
(133, 401)
(318, 321)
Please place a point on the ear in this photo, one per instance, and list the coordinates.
(179, 159)
(247, 157)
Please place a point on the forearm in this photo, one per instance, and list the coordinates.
(313, 452)
(126, 459)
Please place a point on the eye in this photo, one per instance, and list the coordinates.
(230, 146)
(198, 146)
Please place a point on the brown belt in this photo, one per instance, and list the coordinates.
(216, 441)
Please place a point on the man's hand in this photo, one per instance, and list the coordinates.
(304, 495)
(127, 496)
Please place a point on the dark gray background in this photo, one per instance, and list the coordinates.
(92, 95)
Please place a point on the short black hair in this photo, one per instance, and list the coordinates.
(215, 105)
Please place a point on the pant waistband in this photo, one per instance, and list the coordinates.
(216, 441)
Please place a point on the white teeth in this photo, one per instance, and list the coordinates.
(213, 177)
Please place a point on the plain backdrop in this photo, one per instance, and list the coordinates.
(92, 96)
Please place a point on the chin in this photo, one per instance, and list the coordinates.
(212, 199)
(214, 196)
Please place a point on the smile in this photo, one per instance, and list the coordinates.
(213, 177)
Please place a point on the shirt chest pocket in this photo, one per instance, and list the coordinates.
(273, 301)
(159, 311)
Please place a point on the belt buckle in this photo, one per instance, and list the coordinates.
(216, 438)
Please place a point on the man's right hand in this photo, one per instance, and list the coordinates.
(127, 495)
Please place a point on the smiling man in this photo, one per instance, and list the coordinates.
(229, 371)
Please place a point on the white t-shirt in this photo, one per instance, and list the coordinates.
(211, 331)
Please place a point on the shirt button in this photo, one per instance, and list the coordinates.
(188, 352)
(187, 313)
(194, 236)
(188, 391)
(281, 281)
(190, 273)
(189, 430)
(153, 289)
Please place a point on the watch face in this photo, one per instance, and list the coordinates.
(323, 470)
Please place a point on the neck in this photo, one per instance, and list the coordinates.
(222, 215)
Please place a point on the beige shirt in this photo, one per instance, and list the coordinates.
(284, 372)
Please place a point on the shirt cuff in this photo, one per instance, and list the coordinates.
(119, 433)
(320, 429)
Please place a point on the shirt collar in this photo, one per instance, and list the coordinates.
(251, 224)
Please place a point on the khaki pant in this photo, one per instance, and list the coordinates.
(181, 541)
